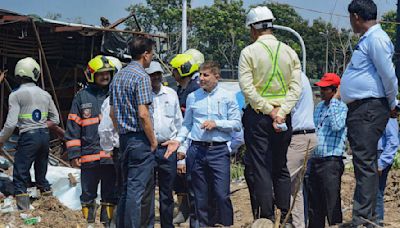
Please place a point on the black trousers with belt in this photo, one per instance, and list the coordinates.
(267, 151)
(324, 191)
(366, 121)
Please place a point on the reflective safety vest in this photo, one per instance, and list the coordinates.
(275, 86)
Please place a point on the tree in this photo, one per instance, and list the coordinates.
(219, 32)
(390, 28)
(161, 16)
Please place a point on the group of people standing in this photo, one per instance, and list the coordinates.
(127, 131)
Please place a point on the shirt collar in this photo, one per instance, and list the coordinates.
(213, 91)
(162, 91)
(371, 30)
(29, 84)
(366, 34)
(266, 37)
(136, 64)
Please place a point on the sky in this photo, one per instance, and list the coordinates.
(91, 10)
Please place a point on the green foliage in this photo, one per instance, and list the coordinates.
(396, 161)
(390, 28)
(219, 31)
(237, 171)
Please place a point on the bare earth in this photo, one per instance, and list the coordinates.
(53, 214)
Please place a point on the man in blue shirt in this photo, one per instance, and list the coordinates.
(387, 149)
(211, 116)
(326, 164)
(369, 88)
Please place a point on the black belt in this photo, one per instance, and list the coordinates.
(303, 132)
(37, 130)
(357, 103)
(208, 144)
(329, 158)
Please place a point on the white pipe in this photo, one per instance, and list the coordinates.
(303, 46)
(184, 25)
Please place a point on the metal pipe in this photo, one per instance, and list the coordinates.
(48, 71)
(303, 46)
(184, 25)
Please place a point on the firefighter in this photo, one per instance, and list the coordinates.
(83, 142)
(30, 108)
(186, 73)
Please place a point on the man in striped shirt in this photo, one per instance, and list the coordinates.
(326, 165)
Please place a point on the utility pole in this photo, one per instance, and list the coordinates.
(184, 25)
(326, 48)
(397, 49)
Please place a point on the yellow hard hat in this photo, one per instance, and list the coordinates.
(188, 62)
(98, 64)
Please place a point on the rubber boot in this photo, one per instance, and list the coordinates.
(23, 201)
(89, 212)
(106, 213)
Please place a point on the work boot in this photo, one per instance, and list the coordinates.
(106, 213)
(46, 192)
(23, 201)
(183, 213)
(89, 212)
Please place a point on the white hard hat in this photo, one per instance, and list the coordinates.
(117, 63)
(198, 57)
(27, 67)
(259, 14)
(154, 67)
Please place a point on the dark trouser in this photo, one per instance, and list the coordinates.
(212, 166)
(33, 146)
(90, 179)
(249, 176)
(380, 208)
(165, 172)
(366, 120)
(324, 191)
(118, 170)
(147, 208)
(267, 155)
(137, 165)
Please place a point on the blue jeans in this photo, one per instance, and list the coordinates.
(33, 146)
(380, 208)
(137, 163)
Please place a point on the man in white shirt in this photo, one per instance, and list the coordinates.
(167, 121)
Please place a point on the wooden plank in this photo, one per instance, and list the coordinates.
(14, 18)
(68, 28)
(48, 71)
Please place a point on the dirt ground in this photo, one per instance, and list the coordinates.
(53, 214)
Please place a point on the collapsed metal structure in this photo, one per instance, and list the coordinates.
(62, 50)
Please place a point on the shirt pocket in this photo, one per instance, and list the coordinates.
(219, 109)
(358, 59)
(169, 111)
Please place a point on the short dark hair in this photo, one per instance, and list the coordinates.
(140, 45)
(366, 9)
(212, 66)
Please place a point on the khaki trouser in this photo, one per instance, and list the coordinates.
(295, 159)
